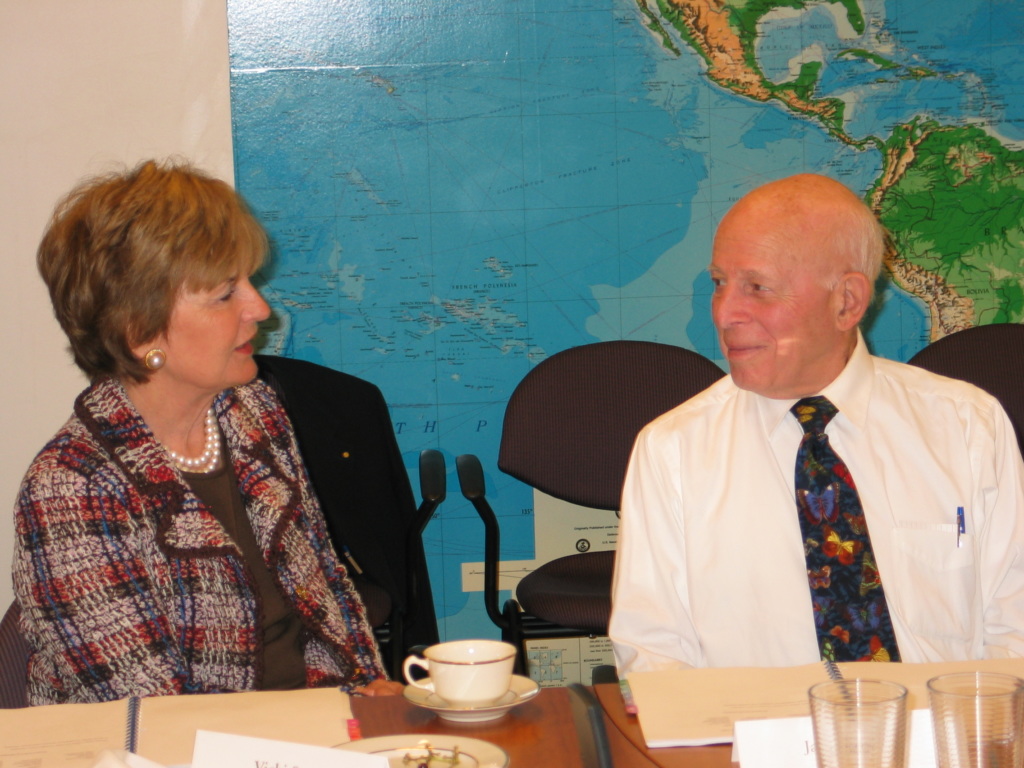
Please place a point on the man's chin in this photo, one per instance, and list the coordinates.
(749, 380)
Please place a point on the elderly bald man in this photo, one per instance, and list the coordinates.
(818, 502)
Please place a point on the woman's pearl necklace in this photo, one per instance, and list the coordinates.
(210, 459)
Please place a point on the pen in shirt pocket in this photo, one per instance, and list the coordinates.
(961, 526)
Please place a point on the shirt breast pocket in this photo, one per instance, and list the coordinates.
(937, 579)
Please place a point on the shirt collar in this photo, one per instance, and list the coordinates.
(850, 392)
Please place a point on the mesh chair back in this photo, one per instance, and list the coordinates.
(988, 356)
(14, 653)
(571, 422)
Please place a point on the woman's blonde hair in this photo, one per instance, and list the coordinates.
(120, 249)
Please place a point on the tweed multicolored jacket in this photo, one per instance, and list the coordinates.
(129, 586)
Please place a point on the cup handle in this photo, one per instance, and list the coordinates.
(424, 664)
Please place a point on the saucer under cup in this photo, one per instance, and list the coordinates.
(523, 689)
(465, 673)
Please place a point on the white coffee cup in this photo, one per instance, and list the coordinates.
(465, 673)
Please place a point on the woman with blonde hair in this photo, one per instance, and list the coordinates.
(168, 540)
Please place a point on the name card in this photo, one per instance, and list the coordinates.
(789, 742)
(223, 750)
(786, 742)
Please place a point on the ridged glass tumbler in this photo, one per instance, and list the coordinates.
(977, 717)
(859, 723)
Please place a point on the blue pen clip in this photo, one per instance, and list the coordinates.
(961, 526)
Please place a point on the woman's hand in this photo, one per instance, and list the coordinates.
(380, 688)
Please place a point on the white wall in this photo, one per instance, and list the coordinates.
(85, 86)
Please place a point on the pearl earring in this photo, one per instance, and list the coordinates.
(155, 359)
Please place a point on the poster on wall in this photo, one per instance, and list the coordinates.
(456, 192)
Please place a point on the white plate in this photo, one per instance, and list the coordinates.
(523, 689)
(473, 753)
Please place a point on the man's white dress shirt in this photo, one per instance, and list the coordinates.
(710, 568)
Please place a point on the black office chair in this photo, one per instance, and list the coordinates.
(14, 654)
(568, 431)
(348, 444)
(988, 356)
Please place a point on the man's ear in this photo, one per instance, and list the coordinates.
(851, 298)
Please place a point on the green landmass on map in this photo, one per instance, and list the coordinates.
(884, 63)
(955, 208)
(859, 53)
(653, 23)
(917, 73)
(950, 195)
(745, 14)
(724, 35)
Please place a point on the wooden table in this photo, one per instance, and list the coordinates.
(540, 732)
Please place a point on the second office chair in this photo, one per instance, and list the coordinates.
(568, 431)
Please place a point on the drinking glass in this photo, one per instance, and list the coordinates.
(977, 718)
(859, 723)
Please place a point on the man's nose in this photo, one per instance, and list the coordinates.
(726, 306)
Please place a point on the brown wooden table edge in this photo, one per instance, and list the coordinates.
(539, 732)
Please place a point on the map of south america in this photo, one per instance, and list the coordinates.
(953, 199)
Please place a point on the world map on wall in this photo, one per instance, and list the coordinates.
(455, 192)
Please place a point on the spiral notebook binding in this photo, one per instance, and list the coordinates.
(832, 669)
(131, 737)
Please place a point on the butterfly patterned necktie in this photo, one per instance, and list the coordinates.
(850, 612)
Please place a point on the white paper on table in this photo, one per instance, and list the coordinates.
(118, 758)
(782, 742)
(921, 749)
(789, 742)
(224, 750)
(167, 724)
